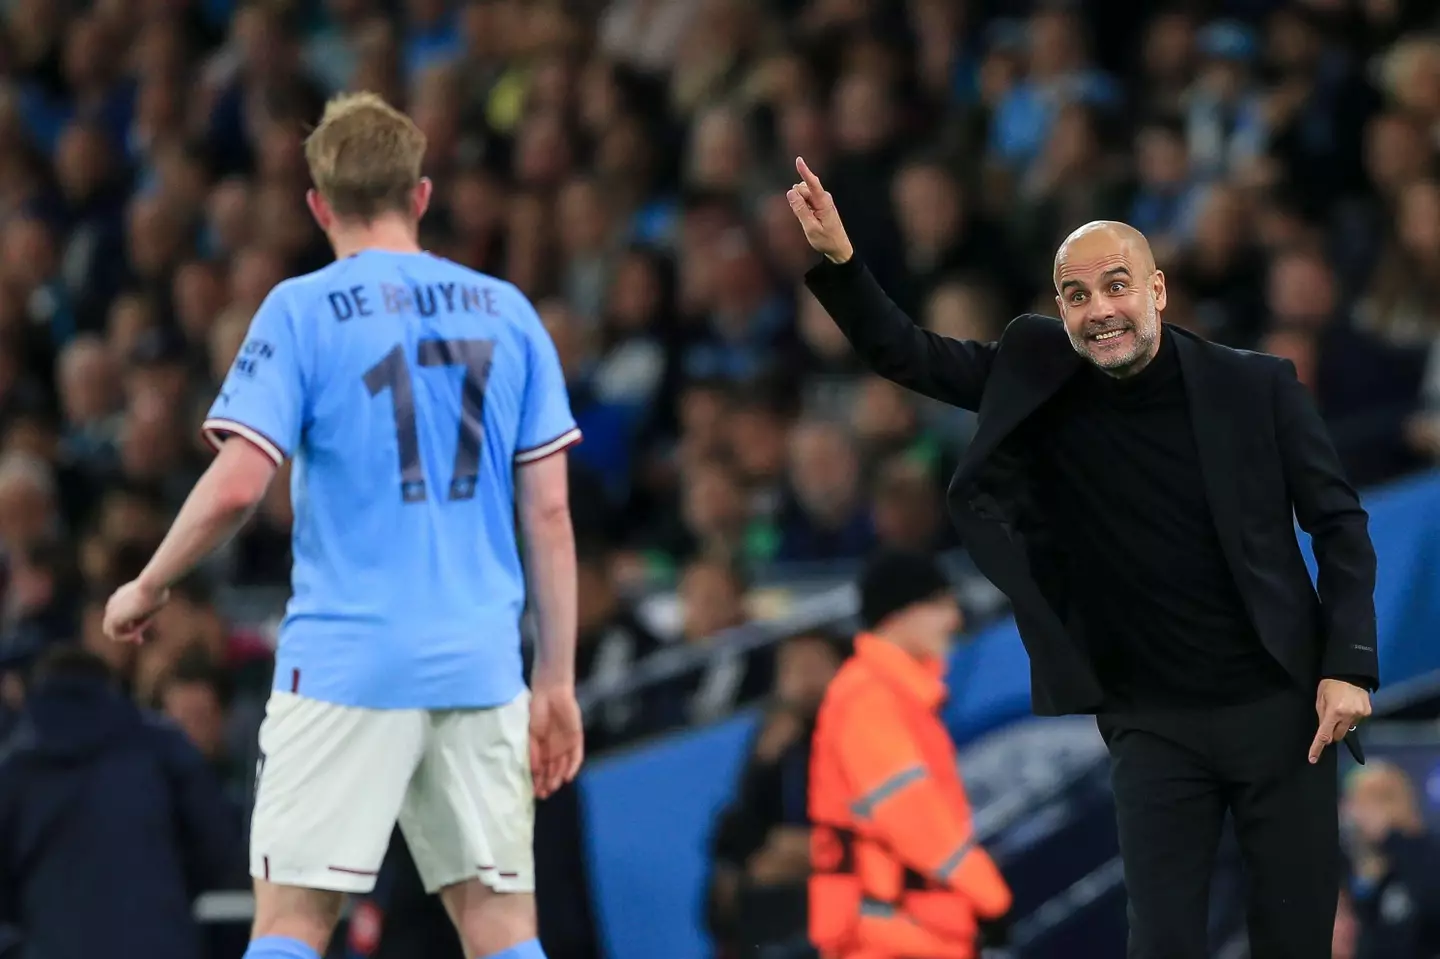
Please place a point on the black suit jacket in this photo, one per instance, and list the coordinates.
(1264, 451)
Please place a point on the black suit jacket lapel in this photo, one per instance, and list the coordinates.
(1020, 393)
(1206, 392)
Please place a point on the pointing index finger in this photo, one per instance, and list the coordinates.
(808, 176)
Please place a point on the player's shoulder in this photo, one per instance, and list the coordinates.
(511, 301)
(294, 294)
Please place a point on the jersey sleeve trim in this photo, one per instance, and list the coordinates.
(534, 454)
(216, 431)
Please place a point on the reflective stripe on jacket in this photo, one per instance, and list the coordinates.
(896, 871)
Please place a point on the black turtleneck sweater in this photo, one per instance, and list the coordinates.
(1146, 585)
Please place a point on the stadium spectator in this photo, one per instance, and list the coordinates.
(1393, 889)
(761, 843)
(825, 518)
(712, 601)
(611, 641)
(38, 611)
(1366, 389)
(908, 507)
(110, 822)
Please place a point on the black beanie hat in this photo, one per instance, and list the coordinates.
(894, 580)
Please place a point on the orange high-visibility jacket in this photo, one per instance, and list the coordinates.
(896, 871)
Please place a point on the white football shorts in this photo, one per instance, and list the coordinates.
(334, 780)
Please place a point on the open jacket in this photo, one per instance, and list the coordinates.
(1265, 453)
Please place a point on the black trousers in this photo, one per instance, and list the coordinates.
(1176, 773)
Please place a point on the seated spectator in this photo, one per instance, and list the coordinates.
(196, 695)
(28, 502)
(607, 427)
(1366, 389)
(1224, 119)
(89, 397)
(712, 601)
(1222, 270)
(746, 330)
(38, 611)
(1059, 72)
(110, 823)
(758, 430)
(1394, 887)
(826, 517)
(716, 517)
(761, 842)
(886, 421)
(832, 368)
(1166, 199)
(635, 369)
(1406, 282)
(908, 508)
(611, 641)
(940, 231)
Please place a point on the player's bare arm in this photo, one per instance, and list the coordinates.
(556, 731)
(219, 505)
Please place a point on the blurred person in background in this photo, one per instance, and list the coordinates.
(612, 640)
(88, 384)
(940, 230)
(886, 422)
(1222, 104)
(1366, 389)
(1167, 195)
(110, 822)
(607, 425)
(28, 503)
(758, 430)
(966, 307)
(826, 517)
(1222, 269)
(1394, 888)
(760, 846)
(1405, 284)
(195, 693)
(38, 611)
(635, 369)
(908, 507)
(832, 370)
(712, 601)
(896, 868)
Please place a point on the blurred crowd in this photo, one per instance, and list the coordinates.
(624, 164)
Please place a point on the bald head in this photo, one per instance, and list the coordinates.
(1380, 799)
(1110, 296)
(1101, 236)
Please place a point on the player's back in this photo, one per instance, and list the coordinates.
(421, 385)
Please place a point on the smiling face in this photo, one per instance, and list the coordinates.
(1110, 296)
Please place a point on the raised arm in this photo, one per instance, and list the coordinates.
(884, 337)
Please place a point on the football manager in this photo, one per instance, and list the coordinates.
(1133, 489)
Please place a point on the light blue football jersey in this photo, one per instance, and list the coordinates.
(407, 389)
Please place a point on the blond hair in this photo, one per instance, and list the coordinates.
(365, 156)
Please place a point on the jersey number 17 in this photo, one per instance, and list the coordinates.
(393, 373)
